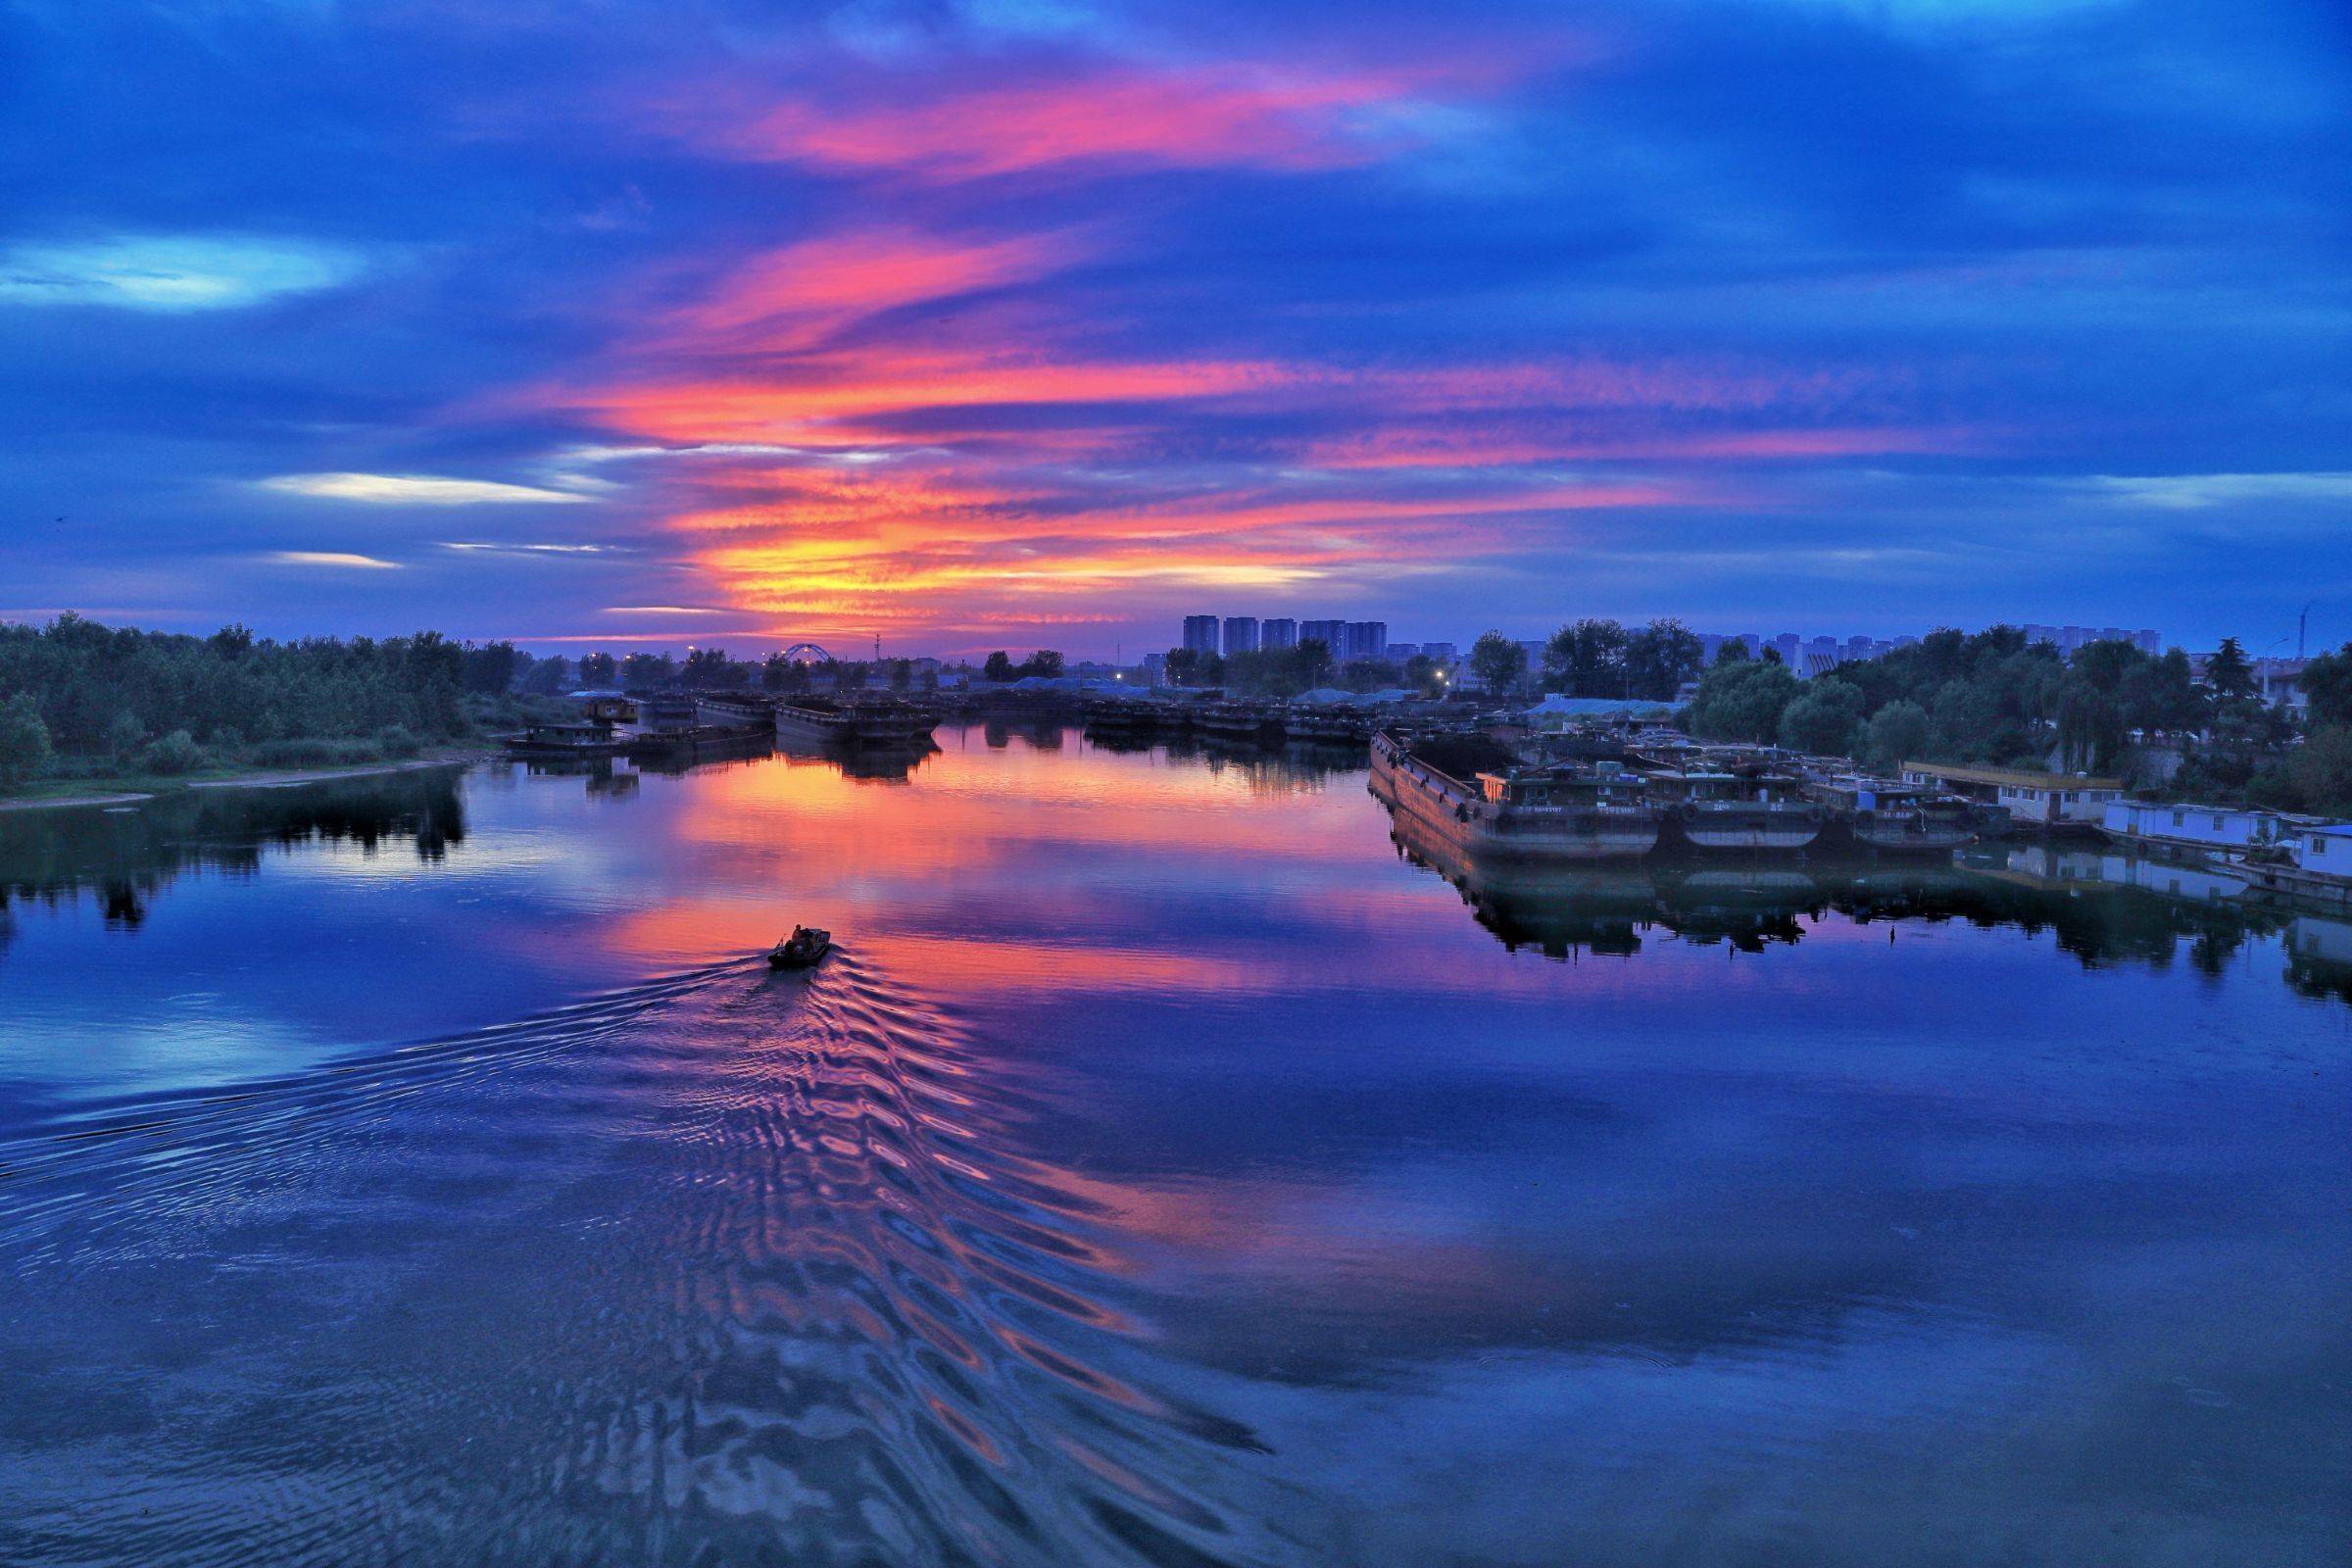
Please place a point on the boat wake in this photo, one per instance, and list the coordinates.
(721, 1269)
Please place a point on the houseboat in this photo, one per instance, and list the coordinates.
(1241, 721)
(2219, 829)
(1890, 818)
(567, 740)
(1472, 796)
(2031, 799)
(1725, 812)
(1327, 727)
(2314, 866)
(882, 724)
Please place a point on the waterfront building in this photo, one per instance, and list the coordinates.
(2199, 827)
(1277, 634)
(1200, 634)
(2031, 797)
(1240, 635)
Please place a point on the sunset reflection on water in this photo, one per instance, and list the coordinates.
(1170, 1166)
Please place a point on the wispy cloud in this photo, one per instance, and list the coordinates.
(172, 272)
(2189, 492)
(661, 610)
(415, 490)
(489, 547)
(332, 558)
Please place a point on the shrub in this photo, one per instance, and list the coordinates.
(395, 741)
(176, 754)
(24, 737)
(125, 735)
(313, 752)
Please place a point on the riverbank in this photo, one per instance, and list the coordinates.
(134, 790)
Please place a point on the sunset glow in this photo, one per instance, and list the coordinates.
(1005, 325)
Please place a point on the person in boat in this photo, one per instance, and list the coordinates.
(805, 947)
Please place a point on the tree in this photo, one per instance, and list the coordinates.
(2317, 773)
(488, 670)
(1896, 733)
(2229, 673)
(23, 738)
(599, 669)
(125, 735)
(1045, 661)
(2328, 686)
(548, 676)
(648, 670)
(1827, 720)
(1660, 658)
(2161, 696)
(1586, 660)
(709, 669)
(1314, 660)
(1497, 661)
(1732, 652)
(1743, 701)
(998, 666)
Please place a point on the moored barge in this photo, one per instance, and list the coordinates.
(1889, 818)
(1473, 798)
(883, 724)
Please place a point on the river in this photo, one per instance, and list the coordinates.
(1168, 1167)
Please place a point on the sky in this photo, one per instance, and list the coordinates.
(980, 323)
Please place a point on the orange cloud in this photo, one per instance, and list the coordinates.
(795, 295)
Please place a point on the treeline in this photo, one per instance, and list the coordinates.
(1302, 667)
(714, 669)
(1589, 658)
(1994, 697)
(79, 698)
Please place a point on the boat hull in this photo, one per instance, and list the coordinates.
(882, 732)
(1443, 809)
(1742, 829)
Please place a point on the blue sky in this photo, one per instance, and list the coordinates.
(969, 326)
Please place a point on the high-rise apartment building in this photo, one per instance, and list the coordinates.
(1277, 633)
(1365, 639)
(1240, 635)
(1200, 634)
(1331, 634)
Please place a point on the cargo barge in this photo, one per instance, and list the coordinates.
(1473, 797)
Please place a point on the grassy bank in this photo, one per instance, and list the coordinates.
(129, 786)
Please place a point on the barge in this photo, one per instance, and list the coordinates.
(1471, 796)
(1726, 814)
(1889, 818)
(890, 725)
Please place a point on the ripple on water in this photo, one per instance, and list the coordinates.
(723, 1268)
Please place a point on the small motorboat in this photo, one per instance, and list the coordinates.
(802, 949)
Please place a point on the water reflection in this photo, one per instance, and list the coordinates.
(2100, 905)
(1165, 1171)
(126, 858)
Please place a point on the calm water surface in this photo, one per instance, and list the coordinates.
(1168, 1169)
